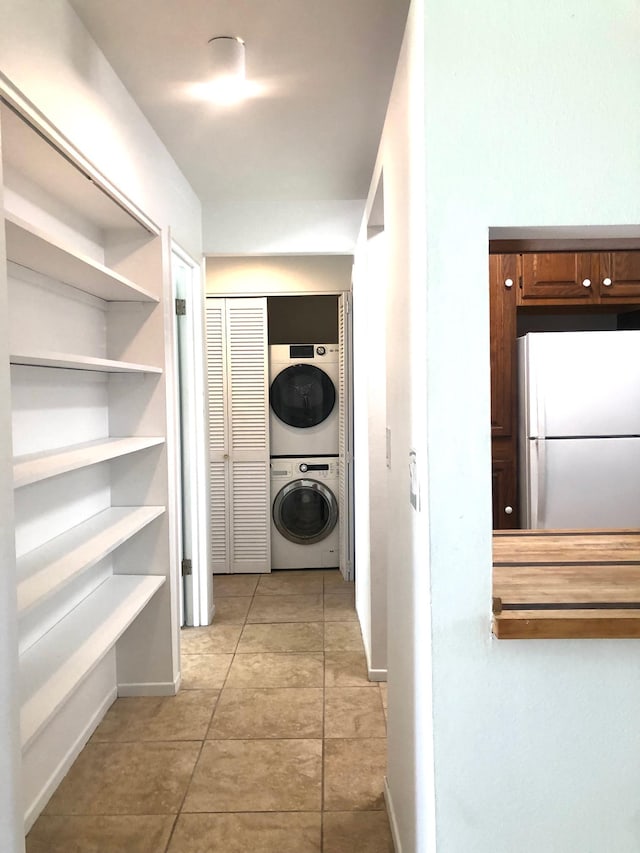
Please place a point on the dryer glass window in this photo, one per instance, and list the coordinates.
(302, 396)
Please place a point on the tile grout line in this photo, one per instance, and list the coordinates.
(195, 765)
(186, 791)
(202, 743)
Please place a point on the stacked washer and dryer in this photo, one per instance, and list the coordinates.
(303, 399)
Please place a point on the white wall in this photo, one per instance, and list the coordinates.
(10, 790)
(370, 471)
(277, 227)
(49, 56)
(278, 275)
(530, 120)
(401, 160)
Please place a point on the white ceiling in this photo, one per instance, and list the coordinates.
(326, 68)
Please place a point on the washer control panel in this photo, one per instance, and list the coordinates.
(318, 469)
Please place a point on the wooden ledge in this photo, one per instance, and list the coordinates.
(566, 584)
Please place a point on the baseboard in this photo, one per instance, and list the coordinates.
(373, 674)
(157, 688)
(35, 808)
(377, 674)
(393, 823)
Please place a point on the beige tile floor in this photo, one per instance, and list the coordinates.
(275, 744)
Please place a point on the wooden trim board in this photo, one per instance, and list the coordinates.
(566, 584)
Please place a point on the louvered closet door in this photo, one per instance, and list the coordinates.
(345, 439)
(215, 321)
(248, 440)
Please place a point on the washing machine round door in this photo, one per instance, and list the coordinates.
(305, 511)
(302, 395)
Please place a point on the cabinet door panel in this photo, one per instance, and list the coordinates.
(504, 485)
(620, 276)
(549, 278)
(503, 278)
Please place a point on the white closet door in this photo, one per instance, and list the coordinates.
(218, 449)
(248, 424)
(345, 438)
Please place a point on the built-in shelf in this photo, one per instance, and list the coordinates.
(30, 247)
(46, 569)
(79, 362)
(40, 466)
(55, 666)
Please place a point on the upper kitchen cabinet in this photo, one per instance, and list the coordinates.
(619, 277)
(552, 278)
(579, 278)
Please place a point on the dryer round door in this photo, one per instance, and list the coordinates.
(305, 511)
(302, 395)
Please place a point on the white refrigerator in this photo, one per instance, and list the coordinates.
(579, 423)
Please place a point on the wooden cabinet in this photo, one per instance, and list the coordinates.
(503, 285)
(88, 410)
(619, 277)
(504, 485)
(579, 278)
(567, 277)
(503, 281)
(545, 281)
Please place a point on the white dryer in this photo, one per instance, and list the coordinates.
(304, 513)
(303, 399)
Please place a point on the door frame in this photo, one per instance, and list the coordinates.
(197, 588)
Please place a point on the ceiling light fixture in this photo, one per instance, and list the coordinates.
(228, 83)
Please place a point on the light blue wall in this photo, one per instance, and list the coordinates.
(533, 119)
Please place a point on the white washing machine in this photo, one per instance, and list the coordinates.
(304, 513)
(303, 399)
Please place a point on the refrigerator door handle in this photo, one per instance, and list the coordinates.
(541, 419)
(539, 485)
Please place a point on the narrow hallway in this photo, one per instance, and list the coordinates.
(275, 744)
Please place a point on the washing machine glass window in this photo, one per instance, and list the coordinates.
(302, 396)
(305, 511)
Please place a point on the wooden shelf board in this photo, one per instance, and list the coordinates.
(567, 624)
(45, 570)
(54, 667)
(567, 584)
(577, 546)
(79, 362)
(40, 466)
(30, 247)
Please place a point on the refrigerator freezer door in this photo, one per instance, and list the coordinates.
(583, 483)
(581, 383)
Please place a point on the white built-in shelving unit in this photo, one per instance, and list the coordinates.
(95, 597)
